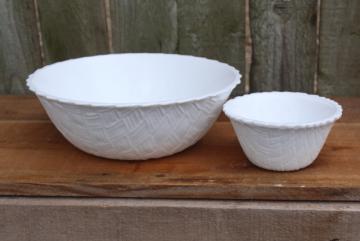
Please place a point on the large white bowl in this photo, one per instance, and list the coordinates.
(282, 131)
(134, 106)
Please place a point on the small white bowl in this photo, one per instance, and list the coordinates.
(282, 131)
(134, 106)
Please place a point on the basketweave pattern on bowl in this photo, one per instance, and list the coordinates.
(269, 147)
(282, 131)
(134, 133)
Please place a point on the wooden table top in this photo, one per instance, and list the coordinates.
(35, 160)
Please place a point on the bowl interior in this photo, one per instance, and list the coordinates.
(282, 108)
(133, 78)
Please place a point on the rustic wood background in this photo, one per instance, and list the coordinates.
(298, 45)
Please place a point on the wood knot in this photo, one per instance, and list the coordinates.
(283, 9)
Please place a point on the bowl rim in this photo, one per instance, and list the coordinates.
(235, 81)
(241, 119)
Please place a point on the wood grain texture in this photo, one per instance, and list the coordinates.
(21, 107)
(33, 219)
(19, 45)
(72, 28)
(284, 45)
(213, 29)
(339, 72)
(144, 25)
(36, 160)
(351, 110)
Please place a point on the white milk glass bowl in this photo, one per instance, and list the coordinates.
(282, 131)
(134, 106)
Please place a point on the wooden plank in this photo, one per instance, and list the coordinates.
(26, 134)
(339, 63)
(36, 160)
(351, 110)
(132, 219)
(24, 107)
(72, 28)
(19, 45)
(213, 29)
(284, 45)
(144, 25)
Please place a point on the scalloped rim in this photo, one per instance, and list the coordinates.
(244, 120)
(236, 81)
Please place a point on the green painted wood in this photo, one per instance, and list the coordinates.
(284, 45)
(213, 29)
(339, 54)
(19, 45)
(73, 28)
(144, 25)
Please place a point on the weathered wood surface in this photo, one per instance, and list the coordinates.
(210, 28)
(72, 28)
(283, 34)
(339, 60)
(144, 25)
(19, 45)
(213, 29)
(284, 45)
(36, 160)
(33, 219)
(22, 107)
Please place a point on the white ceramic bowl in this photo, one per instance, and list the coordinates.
(134, 106)
(282, 131)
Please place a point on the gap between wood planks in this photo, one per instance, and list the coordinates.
(38, 28)
(318, 14)
(109, 25)
(181, 203)
(248, 47)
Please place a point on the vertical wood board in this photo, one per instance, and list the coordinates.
(284, 45)
(19, 45)
(213, 29)
(144, 25)
(73, 28)
(339, 60)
